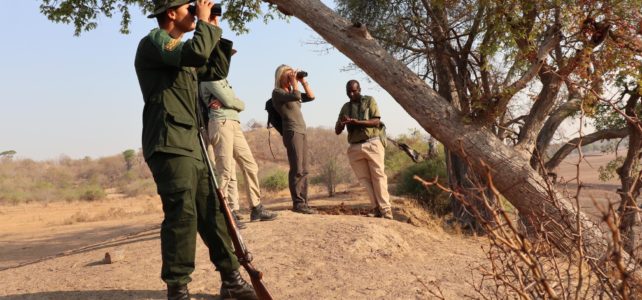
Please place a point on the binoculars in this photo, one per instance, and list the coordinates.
(301, 74)
(217, 10)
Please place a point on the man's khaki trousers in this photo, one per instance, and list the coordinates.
(230, 146)
(366, 160)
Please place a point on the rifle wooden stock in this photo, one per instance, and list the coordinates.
(244, 256)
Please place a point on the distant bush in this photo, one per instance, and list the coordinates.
(141, 187)
(67, 179)
(92, 192)
(329, 163)
(275, 181)
(397, 160)
(434, 198)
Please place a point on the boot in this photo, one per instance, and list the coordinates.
(260, 213)
(304, 209)
(376, 213)
(237, 221)
(387, 214)
(235, 287)
(177, 292)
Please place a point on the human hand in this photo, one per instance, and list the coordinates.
(215, 104)
(292, 78)
(204, 9)
(348, 121)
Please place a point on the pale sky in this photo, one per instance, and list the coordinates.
(79, 96)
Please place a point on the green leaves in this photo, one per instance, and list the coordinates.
(83, 14)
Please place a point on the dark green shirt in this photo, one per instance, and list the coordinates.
(365, 109)
(166, 74)
(289, 107)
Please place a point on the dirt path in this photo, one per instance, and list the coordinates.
(303, 257)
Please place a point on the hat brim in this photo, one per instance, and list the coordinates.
(162, 10)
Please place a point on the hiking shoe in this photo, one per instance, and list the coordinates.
(304, 209)
(381, 213)
(237, 221)
(260, 213)
(387, 214)
(177, 292)
(376, 213)
(238, 214)
(233, 286)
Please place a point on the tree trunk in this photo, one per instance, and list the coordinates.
(550, 127)
(510, 169)
(630, 190)
(543, 104)
(459, 175)
(458, 181)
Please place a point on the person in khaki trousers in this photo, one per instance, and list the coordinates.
(366, 152)
(226, 136)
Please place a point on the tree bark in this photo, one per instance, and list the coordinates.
(510, 169)
(630, 190)
(550, 127)
(540, 110)
(459, 175)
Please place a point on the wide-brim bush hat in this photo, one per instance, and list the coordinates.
(160, 6)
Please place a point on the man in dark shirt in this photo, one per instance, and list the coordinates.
(165, 69)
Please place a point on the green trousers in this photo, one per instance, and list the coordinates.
(189, 205)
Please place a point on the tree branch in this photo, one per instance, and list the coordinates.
(606, 134)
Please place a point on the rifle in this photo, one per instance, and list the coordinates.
(244, 256)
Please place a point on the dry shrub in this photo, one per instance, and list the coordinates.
(77, 217)
(531, 266)
(327, 161)
(67, 179)
(434, 199)
(140, 187)
(113, 213)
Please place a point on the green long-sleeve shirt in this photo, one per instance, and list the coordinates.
(214, 84)
(168, 82)
(231, 106)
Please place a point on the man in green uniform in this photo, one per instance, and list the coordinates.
(366, 152)
(165, 69)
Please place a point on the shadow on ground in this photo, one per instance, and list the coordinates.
(103, 295)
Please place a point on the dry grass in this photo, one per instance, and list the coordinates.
(114, 213)
(25, 180)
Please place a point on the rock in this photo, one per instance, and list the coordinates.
(113, 256)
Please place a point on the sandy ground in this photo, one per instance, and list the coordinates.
(303, 257)
(56, 250)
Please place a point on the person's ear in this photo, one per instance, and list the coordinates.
(171, 14)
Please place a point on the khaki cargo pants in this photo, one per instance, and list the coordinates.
(367, 161)
(231, 148)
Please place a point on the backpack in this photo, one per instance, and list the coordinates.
(274, 118)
